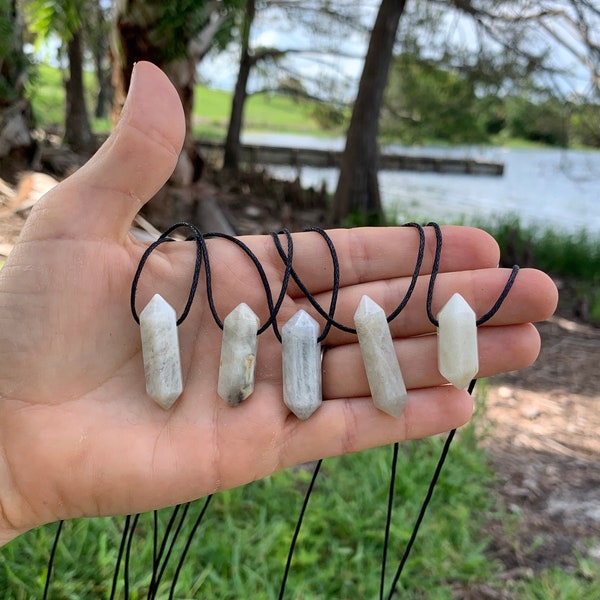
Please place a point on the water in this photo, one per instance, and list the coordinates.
(554, 188)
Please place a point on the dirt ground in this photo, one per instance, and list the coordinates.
(542, 425)
(545, 446)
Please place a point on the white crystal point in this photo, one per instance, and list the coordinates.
(301, 365)
(381, 364)
(458, 359)
(238, 355)
(160, 349)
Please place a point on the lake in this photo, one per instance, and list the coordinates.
(555, 188)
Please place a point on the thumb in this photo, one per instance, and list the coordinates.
(102, 198)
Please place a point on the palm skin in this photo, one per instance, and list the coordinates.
(78, 434)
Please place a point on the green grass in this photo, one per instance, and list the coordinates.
(241, 547)
(581, 582)
(47, 94)
(572, 257)
(575, 255)
(264, 112)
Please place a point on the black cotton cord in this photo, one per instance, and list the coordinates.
(155, 559)
(51, 559)
(328, 316)
(508, 286)
(434, 270)
(165, 562)
(415, 275)
(165, 237)
(120, 553)
(486, 317)
(424, 506)
(388, 520)
(335, 288)
(272, 307)
(128, 545)
(288, 563)
(287, 260)
(186, 548)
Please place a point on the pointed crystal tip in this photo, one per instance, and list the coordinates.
(160, 350)
(386, 383)
(301, 358)
(238, 355)
(458, 358)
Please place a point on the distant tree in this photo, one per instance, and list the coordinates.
(545, 121)
(97, 36)
(14, 63)
(584, 125)
(16, 144)
(358, 189)
(424, 101)
(64, 18)
(231, 156)
(317, 16)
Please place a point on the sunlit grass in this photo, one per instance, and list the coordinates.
(263, 112)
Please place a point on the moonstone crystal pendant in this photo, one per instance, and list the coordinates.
(301, 365)
(238, 355)
(160, 349)
(381, 364)
(458, 359)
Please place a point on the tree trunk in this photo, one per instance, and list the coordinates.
(358, 189)
(78, 132)
(18, 149)
(136, 35)
(231, 158)
(98, 41)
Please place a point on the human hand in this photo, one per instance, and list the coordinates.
(78, 434)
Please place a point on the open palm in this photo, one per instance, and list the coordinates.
(78, 434)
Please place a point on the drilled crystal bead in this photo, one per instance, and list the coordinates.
(160, 350)
(238, 355)
(458, 359)
(379, 357)
(301, 358)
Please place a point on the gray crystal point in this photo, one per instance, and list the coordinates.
(458, 359)
(301, 365)
(381, 364)
(160, 349)
(238, 355)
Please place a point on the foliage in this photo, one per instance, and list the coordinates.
(575, 255)
(546, 121)
(14, 63)
(63, 18)
(180, 21)
(557, 584)
(425, 101)
(47, 95)
(574, 258)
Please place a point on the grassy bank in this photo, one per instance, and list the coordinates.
(573, 258)
(264, 112)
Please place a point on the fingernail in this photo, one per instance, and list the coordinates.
(130, 91)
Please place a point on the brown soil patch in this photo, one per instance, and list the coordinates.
(544, 445)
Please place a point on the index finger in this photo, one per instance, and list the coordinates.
(369, 254)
